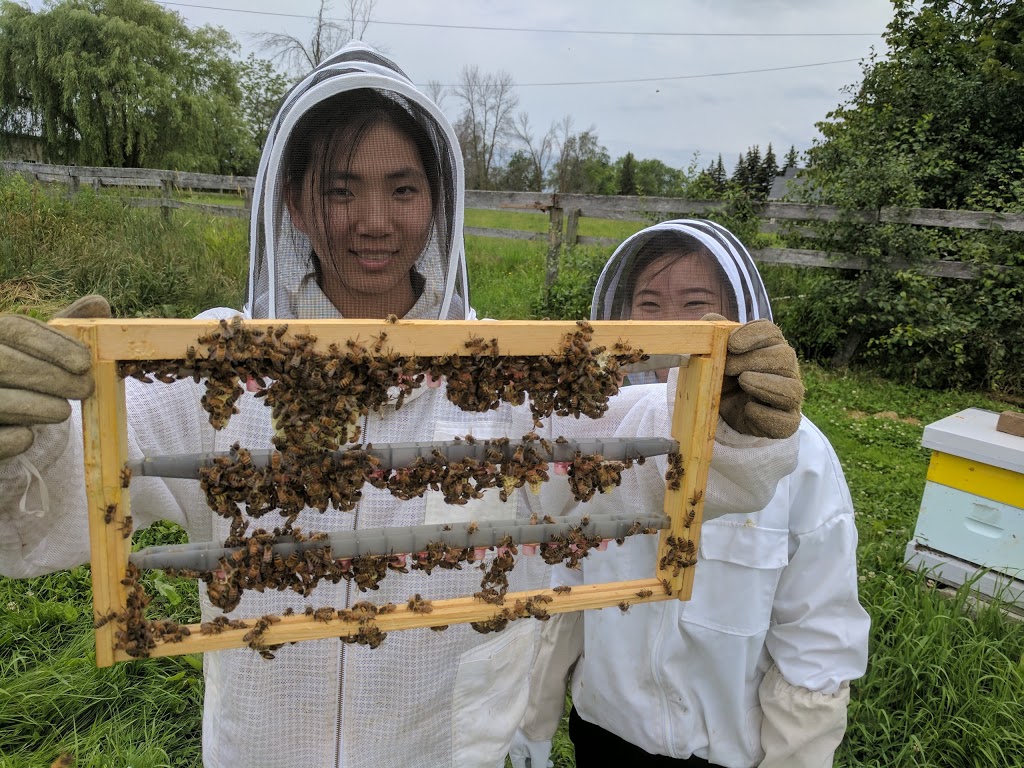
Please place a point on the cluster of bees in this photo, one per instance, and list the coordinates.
(531, 606)
(317, 400)
(294, 481)
(138, 635)
(577, 380)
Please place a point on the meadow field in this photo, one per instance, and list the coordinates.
(945, 681)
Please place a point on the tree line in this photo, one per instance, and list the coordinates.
(126, 83)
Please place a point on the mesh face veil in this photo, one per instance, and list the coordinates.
(358, 202)
(680, 270)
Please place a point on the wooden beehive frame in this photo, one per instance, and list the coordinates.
(105, 441)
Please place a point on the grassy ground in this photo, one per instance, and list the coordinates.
(945, 685)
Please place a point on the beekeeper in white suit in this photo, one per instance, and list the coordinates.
(359, 207)
(358, 213)
(754, 669)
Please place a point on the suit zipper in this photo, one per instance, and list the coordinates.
(341, 650)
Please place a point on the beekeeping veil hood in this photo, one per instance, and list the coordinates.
(283, 274)
(742, 290)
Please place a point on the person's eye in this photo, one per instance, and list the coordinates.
(339, 193)
(650, 306)
(697, 304)
(406, 190)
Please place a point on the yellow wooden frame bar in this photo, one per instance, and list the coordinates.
(105, 438)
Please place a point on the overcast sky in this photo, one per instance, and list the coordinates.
(668, 119)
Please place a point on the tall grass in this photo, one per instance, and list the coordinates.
(945, 681)
(53, 249)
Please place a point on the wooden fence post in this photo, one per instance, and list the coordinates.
(73, 185)
(572, 226)
(248, 192)
(554, 243)
(165, 203)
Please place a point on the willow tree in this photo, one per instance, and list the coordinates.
(121, 83)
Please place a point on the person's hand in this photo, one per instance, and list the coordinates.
(762, 391)
(40, 370)
(525, 753)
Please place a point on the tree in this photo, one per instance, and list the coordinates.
(583, 165)
(627, 175)
(262, 91)
(488, 101)
(121, 83)
(935, 123)
(326, 38)
(792, 158)
(436, 92)
(520, 175)
(768, 171)
(939, 118)
(538, 151)
(656, 179)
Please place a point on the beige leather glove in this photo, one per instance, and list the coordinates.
(762, 391)
(40, 370)
(801, 728)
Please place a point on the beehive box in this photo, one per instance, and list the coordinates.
(971, 521)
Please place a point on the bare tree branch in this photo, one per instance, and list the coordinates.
(540, 154)
(488, 101)
(436, 91)
(327, 36)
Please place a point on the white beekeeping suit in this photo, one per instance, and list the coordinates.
(754, 669)
(422, 697)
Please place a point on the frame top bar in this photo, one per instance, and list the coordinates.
(149, 339)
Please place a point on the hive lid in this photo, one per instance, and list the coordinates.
(971, 434)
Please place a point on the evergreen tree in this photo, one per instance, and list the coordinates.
(791, 158)
(741, 176)
(765, 173)
(627, 175)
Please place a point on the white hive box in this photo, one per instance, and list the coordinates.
(971, 522)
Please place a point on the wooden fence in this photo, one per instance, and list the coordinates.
(563, 213)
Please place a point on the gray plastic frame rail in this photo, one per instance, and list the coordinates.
(206, 556)
(395, 455)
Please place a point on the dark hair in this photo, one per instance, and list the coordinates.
(346, 118)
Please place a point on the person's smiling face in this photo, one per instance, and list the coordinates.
(680, 285)
(367, 213)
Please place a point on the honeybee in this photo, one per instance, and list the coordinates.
(418, 605)
(562, 590)
(108, 515)
(126, 476)
(324, 614)
(624, 606)
(473, 527)
(106, 619)
(644, 593)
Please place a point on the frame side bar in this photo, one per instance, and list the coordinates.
(694, 421)
(104, 437)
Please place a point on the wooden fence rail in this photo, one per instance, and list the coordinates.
(564, 211)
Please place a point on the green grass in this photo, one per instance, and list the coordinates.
(945, 681)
